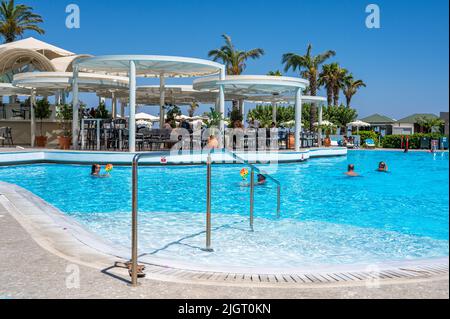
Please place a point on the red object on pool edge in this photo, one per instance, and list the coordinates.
(163, 160)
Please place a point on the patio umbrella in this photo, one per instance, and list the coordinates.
(147, 117)
(325, 123)
(358, 124)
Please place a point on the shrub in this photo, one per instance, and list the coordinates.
(395, 141)
(369, 135)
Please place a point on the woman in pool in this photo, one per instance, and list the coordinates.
(95, 171)
(382, 167)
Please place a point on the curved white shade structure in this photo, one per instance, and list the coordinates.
(51, 81)
(135, 66)
(150, 66)
(7, 89)
(252, 84)
(261, 85)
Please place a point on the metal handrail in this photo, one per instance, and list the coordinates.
(252, 184)
(134, 204)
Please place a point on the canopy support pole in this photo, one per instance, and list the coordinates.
(274, 111)
(32, 117)
(113, 105)
(298, 118)
(75, 108)
(222, 107)
(162, 99)
(132, 119)
(319, 142)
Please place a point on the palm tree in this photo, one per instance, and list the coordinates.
(340, 77)
(275, 73)
(234, 60)
(192, 108)
(351, 86)
(16, 19)
(308, 66)
(326, 79)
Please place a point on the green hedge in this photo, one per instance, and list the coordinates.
(364, 135)
(395, 141)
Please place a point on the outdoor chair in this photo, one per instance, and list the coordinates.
(6, 136)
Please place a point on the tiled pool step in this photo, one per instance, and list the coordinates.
(417, 272)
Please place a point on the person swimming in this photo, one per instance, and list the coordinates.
(261, 179)
(382, 167)
(351, 171)
(95, 171)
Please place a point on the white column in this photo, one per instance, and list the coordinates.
(132, 118)
(162, 99)
(320, 124)
(75, 108)
(122, 108)
(113, 105)
(32, 117)
(243, 109)
(298, 118)
(274, 112)
(222, 105)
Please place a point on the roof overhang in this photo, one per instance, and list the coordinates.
(51, 81)
(253, 84)
(150, 66)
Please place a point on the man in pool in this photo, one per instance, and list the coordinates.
(382, 167)
(351, 171)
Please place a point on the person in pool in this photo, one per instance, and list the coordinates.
(382, 167)
(261, 179)
(95, 171)
(351, 171)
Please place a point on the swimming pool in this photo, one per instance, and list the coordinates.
(326, 217)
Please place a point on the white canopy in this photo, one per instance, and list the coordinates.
(48, 50)
(7, 89)
(358, 123)
(325, 123)
(52, 81)
(147, 117)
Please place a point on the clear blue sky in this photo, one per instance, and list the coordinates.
(405, 63)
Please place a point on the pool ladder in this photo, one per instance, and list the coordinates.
(134, 202)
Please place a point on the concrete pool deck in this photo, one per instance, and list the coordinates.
(41, 251)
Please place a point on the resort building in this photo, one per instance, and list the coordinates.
(380, 123)
(410, 125)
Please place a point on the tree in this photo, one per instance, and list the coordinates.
(275, 73)
(351, 86)
(340, 115)
(308, 66)
(41, 112)
(214, 118)
(234, 60)
(340, 76)
(192, 108)
(326, 79)
(429, 123)
(16, 19)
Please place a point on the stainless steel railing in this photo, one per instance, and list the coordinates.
(134, 204)
(252, 184)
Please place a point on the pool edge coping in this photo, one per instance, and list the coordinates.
(63, 236)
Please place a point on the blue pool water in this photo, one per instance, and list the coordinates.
(326, 217)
